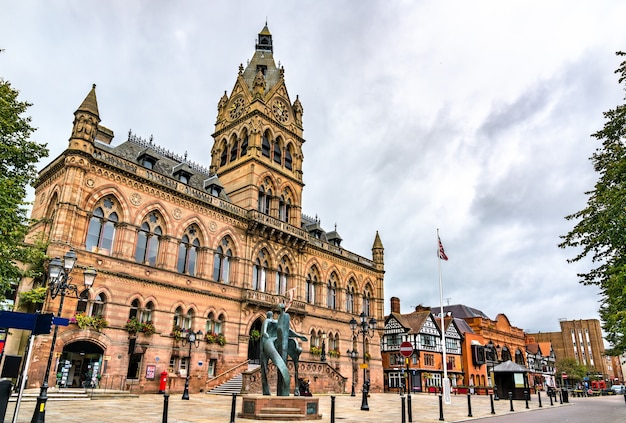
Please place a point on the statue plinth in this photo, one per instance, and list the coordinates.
(265, 407)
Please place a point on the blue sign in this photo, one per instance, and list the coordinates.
(37, 323)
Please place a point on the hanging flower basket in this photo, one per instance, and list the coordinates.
(216, 338)
(85, 322)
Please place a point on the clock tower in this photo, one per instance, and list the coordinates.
(257, 150)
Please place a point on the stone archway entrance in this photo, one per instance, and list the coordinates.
(80, 365)
(254, 349)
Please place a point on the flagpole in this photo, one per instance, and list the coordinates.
(443, 328)
(445, 382)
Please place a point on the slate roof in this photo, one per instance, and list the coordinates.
(412, 321)
(510, 367)
(462, 311)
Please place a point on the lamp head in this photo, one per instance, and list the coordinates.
(90, 276)
(373, 322)
(54, 268)
(353, 324)
(69, 260)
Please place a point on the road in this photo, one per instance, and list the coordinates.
(607, 409)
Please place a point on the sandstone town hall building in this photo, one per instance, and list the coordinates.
(181, 245)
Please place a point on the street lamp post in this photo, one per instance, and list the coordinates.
(366, 329)
(59, 284)
(323, 354)
(353, 356)
(192, 338)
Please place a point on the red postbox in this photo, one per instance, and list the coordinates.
(163, 383)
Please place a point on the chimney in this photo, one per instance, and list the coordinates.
(395, 305)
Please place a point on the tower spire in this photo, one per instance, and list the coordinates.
(86, 120)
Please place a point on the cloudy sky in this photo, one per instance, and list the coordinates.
(471, 117)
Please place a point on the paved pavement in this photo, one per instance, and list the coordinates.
(383, 408)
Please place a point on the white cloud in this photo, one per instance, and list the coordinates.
(471, 117)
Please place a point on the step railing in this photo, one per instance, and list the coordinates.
(225, 376)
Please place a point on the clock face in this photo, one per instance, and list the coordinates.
(280, 111)
(236, 108)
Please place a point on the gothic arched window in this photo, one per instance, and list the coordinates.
(288, 159)
(265, 198)
(224, 154)
(278, 158)
(284, 208)
(331, 291)
(221, 262)
(188, 251)
(244, 145)
(259, 272)
(146, 313)
(147, 248)
(367, 296)
(350, 297)
(134, 309)
(282, 276)
(101, 231)
(234, 148)
(265, 144)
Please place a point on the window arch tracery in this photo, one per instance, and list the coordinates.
(188, 250)
(101, 230)
(148, 239)
(222, 261)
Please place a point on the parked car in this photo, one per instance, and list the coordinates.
(618, 389)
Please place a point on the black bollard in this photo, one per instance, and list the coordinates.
(233, 407)
(409, 408)
(440, 408)
(493, 410)
(469, 405)
(526, 398)
(166, 398)
(624, 397)
(511, 400)
(403, 409)
(539, 398)
(332, 409)
(550, 395)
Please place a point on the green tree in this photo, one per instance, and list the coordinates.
(575, 372)
(600, 231)
(18, 157)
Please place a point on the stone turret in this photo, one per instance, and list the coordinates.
(86, 120)
(378, 253)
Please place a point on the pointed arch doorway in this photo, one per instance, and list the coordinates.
(80, 365)
(254, 342)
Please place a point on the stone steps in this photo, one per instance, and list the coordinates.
(73, 394)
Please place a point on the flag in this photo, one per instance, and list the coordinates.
(442, 253)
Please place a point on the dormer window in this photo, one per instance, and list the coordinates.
(183, 177)
(213, 186)
(182, 172)
(262, 69)
(147, 161)
(214, 190)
